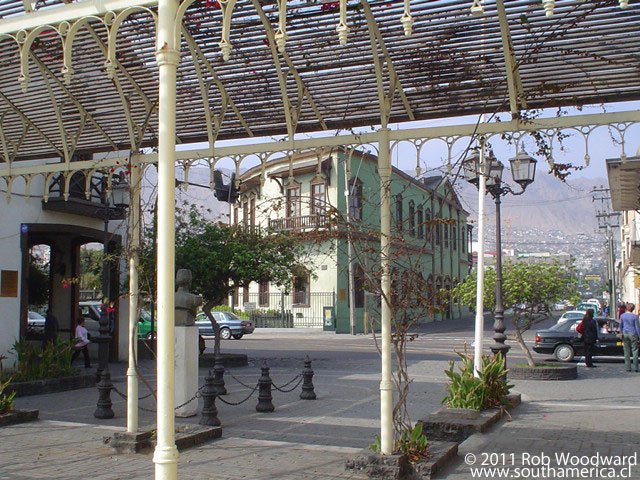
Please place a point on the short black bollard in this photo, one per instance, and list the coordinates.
(264, 391)
(104, 386)
(307, 381)
(209, 411)
(218, 382)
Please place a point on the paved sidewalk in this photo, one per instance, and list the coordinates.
(598, 413)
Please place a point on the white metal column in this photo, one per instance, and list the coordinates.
(134, 245)
(167, 55)
(479, 324)
(386, 384)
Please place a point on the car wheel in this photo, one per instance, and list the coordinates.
(201, 345)
(149, 336)
(225, 333)
(563, 353)
(238, 336)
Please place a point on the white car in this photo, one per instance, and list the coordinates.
(35, 323)
(571, 314)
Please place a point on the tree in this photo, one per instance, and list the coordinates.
(38, 285)
(528, 289)
(223, 258)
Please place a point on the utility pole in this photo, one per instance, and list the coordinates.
(607, 220)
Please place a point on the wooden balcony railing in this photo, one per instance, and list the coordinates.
(303, 222)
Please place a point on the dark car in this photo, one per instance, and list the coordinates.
(230, 325)
(564, 342)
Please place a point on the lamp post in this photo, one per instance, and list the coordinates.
(113, 208)
(523, 171)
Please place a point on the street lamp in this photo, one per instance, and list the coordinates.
(114, 207)
(523, 171)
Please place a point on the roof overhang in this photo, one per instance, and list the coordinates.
(624, 182)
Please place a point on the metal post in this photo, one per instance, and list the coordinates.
(479, 323)
(167, 56)
(134, 244)
(265, 400)
(308, 392)
(612, 274)
(103, 408)
(352, 305)
(498, 326)
(386, 384)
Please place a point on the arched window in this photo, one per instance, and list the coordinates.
(420, 221)
(399, 218)
(412, 219)
(463, 239)
(429, 226)
(438, 230)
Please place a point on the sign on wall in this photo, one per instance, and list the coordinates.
(9, 283)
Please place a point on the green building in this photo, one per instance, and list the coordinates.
(306, 195)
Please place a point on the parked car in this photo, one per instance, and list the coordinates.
(583, 306)
(144, 325)
(563, 342)
(35, 323)
(571, 314)
(230, 325)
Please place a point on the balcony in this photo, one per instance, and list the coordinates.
(303, 222)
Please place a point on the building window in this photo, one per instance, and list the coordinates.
(412, 219)
(463, 240)
(429, 226)
(263, 294)
(420, 222)
(399, 216)
(245, 211)
(293, 202)
(438, 230)
(317, 198)
(252, 211)
(445, 227)
(301, 293)
(355, 199)
(454, 237)
(358, 286)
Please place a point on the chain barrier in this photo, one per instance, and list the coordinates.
(242, 401)
(237, 380)
(153, 410)
(281, 389)
(123, 395)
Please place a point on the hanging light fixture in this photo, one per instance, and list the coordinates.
(523, 169)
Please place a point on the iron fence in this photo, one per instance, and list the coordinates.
(279, 310)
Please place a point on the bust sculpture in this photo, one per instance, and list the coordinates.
(186, 303)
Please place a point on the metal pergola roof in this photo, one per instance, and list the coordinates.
(511, 58)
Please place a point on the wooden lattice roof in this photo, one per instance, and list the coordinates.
(453, 64)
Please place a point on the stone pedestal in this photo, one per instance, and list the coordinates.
(186, 369)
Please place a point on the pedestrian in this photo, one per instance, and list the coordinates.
(83, 340)
(630, 331)
(589, 336)
(621, 309)
(605, 310)
(51, 328)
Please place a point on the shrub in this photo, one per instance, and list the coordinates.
(6, 401)
(412, 443)
(489, 390)
(35, 363)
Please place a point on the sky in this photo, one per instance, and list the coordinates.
(604, 143)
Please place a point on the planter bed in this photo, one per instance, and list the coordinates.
(52, 385)
(456, 424)
(397, 467)
(18, 416)
(551, 372)
(187, 436)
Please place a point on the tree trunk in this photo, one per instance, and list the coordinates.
(206, 308)
(523, 346)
